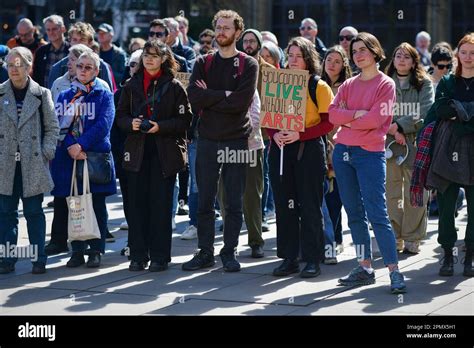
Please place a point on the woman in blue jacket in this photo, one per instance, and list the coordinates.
(86, 113)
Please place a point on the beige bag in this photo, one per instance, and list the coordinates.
(82, 223)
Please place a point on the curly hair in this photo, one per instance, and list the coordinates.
(169, 66)
(310, 55)
(418, 73)
(238, 21)
(346, 71)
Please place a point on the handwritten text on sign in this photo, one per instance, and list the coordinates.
(284, 99)
(183, 78)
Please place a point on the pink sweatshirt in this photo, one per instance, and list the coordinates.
(377, 96)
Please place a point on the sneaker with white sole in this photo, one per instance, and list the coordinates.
(124, 225)
(189, 233)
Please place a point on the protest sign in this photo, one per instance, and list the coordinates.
(283, 101)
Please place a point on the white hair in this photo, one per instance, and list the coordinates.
(55, 19)
(311, 20)
(79, 49)
(24, 53)
(270, 37)
(25, 22)
(135, 57)
(423, 35)
(171, 23)
(350, 29)
(92, 56)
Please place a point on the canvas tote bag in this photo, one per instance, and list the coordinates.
(82, 223)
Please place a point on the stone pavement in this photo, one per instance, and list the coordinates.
(113, 290)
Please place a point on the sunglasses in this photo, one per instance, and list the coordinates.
(307, 28)
(444, 66)
(133, 64)
(347, 37)
(204, 42)
(156, 33)
(85, 67)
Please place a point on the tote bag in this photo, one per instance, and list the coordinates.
(82, 223)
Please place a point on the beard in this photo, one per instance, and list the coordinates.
(251, 52)
(225, 42)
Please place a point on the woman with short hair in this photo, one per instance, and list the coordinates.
(86, 115)
(28, 134)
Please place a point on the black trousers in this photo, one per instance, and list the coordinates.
(150, 199)
(298, 198)
(59, 225)
(333, 201)
(208, 171)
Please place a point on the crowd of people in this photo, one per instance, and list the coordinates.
(388, 146)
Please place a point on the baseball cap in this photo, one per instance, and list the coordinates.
(106, 27)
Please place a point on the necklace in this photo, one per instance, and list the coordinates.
(467, 85)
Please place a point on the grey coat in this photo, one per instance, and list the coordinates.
(25, 132)
(409, 112)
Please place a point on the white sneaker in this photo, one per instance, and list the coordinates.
(270, 215)
(173, 225)
(124, 225)
(190, 232)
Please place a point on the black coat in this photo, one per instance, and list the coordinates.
(174, 119)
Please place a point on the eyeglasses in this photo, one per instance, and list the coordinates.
(249, 42)
(205, 42)
(11, 66)
(133, 64)
(156, 33)
(87, 68)
(444, 66)
(26, 34)
(346, 37)
(307, 28)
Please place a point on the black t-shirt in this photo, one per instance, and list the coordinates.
(461, 89)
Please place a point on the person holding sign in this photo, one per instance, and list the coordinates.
(362, 108)
(298, 190)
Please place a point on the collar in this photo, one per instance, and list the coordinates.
(87, 87)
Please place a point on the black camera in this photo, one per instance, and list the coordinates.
(145, 126)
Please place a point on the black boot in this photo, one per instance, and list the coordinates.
(447, 269)
(468, 270)
(94, 259)
(77, 259)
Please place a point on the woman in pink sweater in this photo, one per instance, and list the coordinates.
(363, 109)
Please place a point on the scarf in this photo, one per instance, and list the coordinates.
(421, 165)
(72, 120)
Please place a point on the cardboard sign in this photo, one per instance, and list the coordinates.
(183, 78)
(284, 94)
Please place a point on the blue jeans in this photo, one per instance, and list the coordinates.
(193, 189)
(361, 177)
(267, 197)
(34, 215)
(100, 211)
(175, 196)
(328, 226)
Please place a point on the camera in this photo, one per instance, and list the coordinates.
(145, 126)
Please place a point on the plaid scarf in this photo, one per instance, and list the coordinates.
(421, 165)
(72, 113)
